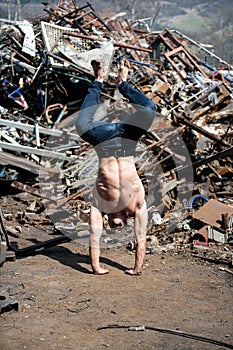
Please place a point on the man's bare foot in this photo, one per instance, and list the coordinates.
(100, 271)
(124, 68)
(133, 272)
(98, 70)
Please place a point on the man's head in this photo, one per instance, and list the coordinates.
(117, 219)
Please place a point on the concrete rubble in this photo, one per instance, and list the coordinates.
(184, 161)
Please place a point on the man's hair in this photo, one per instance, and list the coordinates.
(117, 215)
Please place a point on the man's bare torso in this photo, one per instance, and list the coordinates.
(118, 186)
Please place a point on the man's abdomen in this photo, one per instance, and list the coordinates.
(126, 194)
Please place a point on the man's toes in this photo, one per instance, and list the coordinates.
(95, 63)
(127, 63)
(124, 61)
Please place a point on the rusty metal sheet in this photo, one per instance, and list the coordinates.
(211, 212)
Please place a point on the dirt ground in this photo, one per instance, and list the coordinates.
(62, 304)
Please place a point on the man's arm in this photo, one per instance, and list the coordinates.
(96, 225)
(140, 225)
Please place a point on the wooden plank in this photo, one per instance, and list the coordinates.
(25, 164)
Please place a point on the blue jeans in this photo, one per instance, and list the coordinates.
(115, 139)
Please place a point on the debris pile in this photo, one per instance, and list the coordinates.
(184, 161)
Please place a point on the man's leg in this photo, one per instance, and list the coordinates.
(84, 122)
(128, 91)
(96, 223)
(146, 109)
(140, 225)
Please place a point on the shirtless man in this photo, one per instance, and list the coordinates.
(118, 190)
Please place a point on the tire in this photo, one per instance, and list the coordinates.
(197, 201)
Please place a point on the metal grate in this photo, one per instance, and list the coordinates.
(55, 40)
(79, 51)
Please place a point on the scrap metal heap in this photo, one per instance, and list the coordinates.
(184, 160)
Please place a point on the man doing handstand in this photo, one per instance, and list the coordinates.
(118, 189)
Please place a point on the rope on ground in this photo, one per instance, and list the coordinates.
(169, 331)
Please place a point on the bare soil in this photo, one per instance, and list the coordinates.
(62, 304)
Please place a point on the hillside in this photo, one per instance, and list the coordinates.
(209, 22)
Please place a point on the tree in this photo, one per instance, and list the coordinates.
(16, 8)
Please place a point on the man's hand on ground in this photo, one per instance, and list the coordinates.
(133, 272)
(100, 271)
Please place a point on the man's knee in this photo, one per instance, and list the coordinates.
(151, 106)
(149, 113)
(84, 120)
(79, 126)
